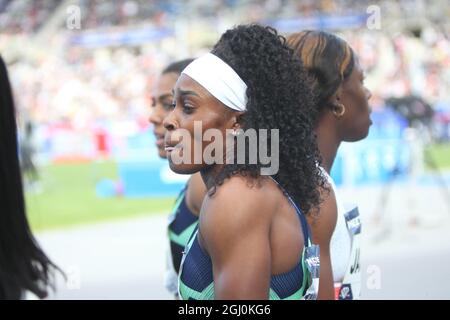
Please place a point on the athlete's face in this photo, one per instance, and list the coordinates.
(162, 98)
(193, 104)
(354, 124)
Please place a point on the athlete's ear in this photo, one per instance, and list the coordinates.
(337, 107)
(336, 98)
(237, 121)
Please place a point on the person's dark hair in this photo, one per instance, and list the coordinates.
(328, 59)
(23, 264)
(279, 97)
(177, 66)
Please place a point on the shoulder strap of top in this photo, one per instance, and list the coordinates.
(305, 226)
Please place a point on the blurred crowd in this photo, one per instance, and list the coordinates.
(85, 86)
(122, 13)
(405, 64)
(82, 86)
(22, 16)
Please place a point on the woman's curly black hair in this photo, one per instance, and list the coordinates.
(279, 97)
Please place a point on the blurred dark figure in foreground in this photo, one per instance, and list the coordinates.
(23, 264)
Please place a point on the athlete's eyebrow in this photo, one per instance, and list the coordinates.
(185, 92)
(164, 96)
(188, 93)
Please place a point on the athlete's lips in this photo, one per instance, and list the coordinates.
(159, 139)
(169, 149)
(170, 145)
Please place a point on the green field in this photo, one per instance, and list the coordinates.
(66, 197)
(440, 154)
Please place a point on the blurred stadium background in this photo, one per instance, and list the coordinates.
(82, 72)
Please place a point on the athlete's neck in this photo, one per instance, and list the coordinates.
(209, 175)
(328, 143)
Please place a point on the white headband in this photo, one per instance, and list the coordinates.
(213, 74)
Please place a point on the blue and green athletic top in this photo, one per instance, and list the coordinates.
(181, 227)
(196, 277)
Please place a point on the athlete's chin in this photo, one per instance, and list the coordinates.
(162, 153)
(359, 134)
(184, 168)
(365, 131)
(364, 134)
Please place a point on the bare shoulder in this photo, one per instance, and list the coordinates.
(238, 207)
(235, 226)
(323, 219)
